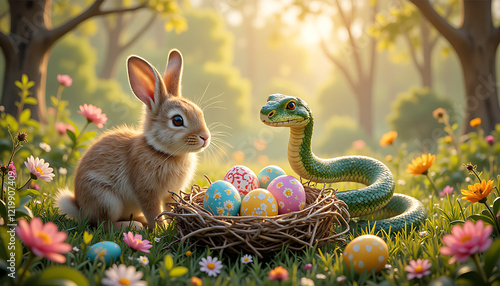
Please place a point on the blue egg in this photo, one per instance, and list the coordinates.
(268, 174)
(104, 251)
(222, 198)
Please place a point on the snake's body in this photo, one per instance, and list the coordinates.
(400, 211)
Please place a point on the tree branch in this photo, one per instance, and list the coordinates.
(140, 32)
(452, 34)
(92, 11)
(413, 53)
(339, 65)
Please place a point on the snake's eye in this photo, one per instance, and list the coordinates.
(290, 105)
(178, 121)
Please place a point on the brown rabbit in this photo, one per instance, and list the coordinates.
(129, 172)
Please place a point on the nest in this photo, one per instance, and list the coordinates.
(325, 219)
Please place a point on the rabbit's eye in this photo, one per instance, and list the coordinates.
(178, 121)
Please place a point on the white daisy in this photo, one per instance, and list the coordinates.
(247, 258)
(76, 249)
(220, 210)
(211, 266)
(39, 168)
(45, 147)
(157, 239)
(123, 275)
(143, 260)
(288, 192)
(63, 171)
(217, 196)
(229, 205)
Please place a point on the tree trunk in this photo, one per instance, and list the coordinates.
(365, 108)
(112, 53)
(30, 54)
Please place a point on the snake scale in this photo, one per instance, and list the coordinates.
(387, 210)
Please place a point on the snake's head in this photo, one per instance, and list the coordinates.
(285, 111)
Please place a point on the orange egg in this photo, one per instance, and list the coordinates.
(366, 252)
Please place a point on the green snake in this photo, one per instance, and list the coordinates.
(387, 210)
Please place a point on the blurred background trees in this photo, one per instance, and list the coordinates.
(361, 65)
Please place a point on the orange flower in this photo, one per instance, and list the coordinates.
(440, 114)
(478, 192)
(448, 139)
(420, 165)
(475, 122)
(278, 273)
(388, 138)
(195, 281)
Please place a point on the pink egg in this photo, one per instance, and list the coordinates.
(242, 178)
(289, 194)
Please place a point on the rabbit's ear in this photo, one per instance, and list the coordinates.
(145, 81)
(173, 73)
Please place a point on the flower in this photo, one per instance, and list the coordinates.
(423, 233)
(188, 253)
(247, 258)
(448, 190)
(76, 249)
(157, 239)
(448, 139)
(418, 269)
(39, 169)
(62, 127)
(12, 170)
(440, 114)
(478, 192)
(44, 240)
(195, 281)
(35, 186)
(63, 171)
(341, 279)
(45, 147)
(135, 242)
(87, 238)
(304, 281)
(278, 273)
(388, 158)
(321, 276)
(466, 241)
(123, 275)
(64, 79)
(420, 165)
(22, 137)
(93, 114)
(358, 144)
(475, 122)
(490, 139)
(143, 260)
(388, 138)
(211, 266)
(308, 266)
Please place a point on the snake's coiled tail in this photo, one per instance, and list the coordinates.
(393, 212)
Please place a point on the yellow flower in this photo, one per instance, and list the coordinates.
(421, 165)
(87, 238)
(188, 253)
(447, 139)
(388, 138)
(388, 158)
(475, 122)
(478, 192)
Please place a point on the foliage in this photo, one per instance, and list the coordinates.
(339, 133)
(417, 105)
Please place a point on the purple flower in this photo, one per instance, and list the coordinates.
(308, 266)
(490, 139)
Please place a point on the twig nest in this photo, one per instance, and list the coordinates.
(366, 253)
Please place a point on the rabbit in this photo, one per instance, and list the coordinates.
(128, 172)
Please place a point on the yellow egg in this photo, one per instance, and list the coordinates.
(259, 202)
(367, 252)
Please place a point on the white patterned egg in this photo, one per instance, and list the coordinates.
(242, 178)
(268, 174)
(289, 193)
(366, 253)
(259, 202)
(222, 198)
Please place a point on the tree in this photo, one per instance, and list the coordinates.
(475, 41)
(26, 48)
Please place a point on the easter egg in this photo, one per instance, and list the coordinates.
(222, 198)
(104, 251)
(242, 178)
(259, 202)
(268, 174)
(366, 252)
(289, 193)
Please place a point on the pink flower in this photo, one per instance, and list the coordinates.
(62, 127)
(93, 114)
(12, 170)
(35, 186)
(308, 266)
(278, 273)
(418, 269)
(44, 240)
(64, 79)
(39, 169)
(490, 139)
(358, 144)
(466, 241)
(447, 190)
(136, 242)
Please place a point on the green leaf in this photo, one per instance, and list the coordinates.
(486, 219)
(486, 213)
(457, 222)
(442, 281)
(30, 100)
(496, 206)
(25, 116)
(54, 100)
(491, 257)
(169, 262)
(178, 271)
(18, 84)
(10, 120)
(3, 210)
(87, 136)
(23, 200)
(64, 273)
(468, 272)
(23, 211)
(29, 192)
(71, 135)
